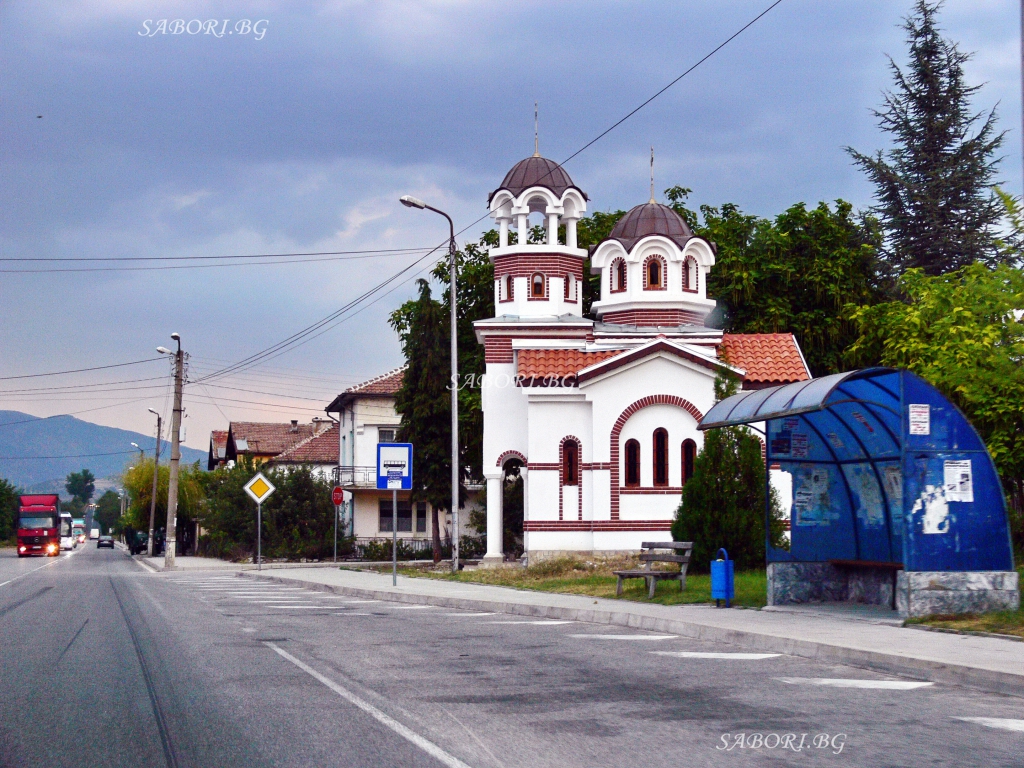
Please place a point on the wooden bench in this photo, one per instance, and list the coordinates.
(678, 554)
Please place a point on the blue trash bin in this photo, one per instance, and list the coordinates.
(722, 583)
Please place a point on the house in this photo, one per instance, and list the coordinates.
(217, 456)
(319, 452)
(263, 441)
(599, 416)
(366, 416)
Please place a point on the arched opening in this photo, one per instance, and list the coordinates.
(570, 463)
(513, 493)
(570, 287)
(689, 457)
(618, 275)
(537, 286)
(507, 288)
(660, 457)
(655, 273)
(632, 464)
(690, 275)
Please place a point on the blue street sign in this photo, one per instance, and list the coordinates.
(394, 466)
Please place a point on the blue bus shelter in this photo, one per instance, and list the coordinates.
(889, 479)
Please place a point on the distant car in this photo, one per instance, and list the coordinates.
(81, 538)
(105, 541)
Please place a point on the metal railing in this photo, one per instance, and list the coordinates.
(357, 477)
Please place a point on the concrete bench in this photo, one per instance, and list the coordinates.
(678, 554)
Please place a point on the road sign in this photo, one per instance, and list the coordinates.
(259, 488)
(394, 466)
(338, 496)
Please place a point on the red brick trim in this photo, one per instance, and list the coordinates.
(539, 466)
(664, 273)
(660, 491)
(686, 275)
(511, 455)
(498, 349)
(529, 287)
(579, 472)
(653, 317)
(686, 405)
(524, 265)
(613, 274)
(597, 525)
(596, 465)
(510, 281)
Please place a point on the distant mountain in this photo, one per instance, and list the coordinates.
(66, 436)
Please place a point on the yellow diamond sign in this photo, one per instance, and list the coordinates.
(259, 488)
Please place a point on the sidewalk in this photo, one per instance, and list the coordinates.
(992, 664)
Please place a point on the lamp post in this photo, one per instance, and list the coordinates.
(156, 475)
(172, 486)
(412, 202)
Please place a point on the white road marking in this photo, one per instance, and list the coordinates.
(353, 614)
(364, 601)
(540, 622)
(830, 682)
(471, 615)
(405, 732)
(624, 637)
(715, 655)
(318, 607)
(44, 565)
(1002, 723)
(410, 607)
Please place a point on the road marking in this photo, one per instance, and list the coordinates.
(407, 733)
(624, 637)
(353, 614)
(471, 615)
(542, 622)
(277, 602)
(830, 682)
(26, 573)
(410, 607)
(716, 655)
(364, 601)
(317, 607)
(1002, 723)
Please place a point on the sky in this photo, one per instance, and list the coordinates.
(120, 140)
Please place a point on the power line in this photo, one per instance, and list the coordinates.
(68, 456)
(81, 370)
(207, 258)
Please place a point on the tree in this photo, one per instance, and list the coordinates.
(934, 187)
(963, 333)
(138, 482)
(81, 486)
(8, 509)
(723, 503)
(424, 400)
(108, 510)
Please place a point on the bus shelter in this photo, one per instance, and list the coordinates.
(895, 499)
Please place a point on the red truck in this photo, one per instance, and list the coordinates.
(39, 525)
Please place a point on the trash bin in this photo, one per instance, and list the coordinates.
(722, 583)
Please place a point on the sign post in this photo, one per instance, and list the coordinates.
(259, 489)
(394, 473)
(339, 496)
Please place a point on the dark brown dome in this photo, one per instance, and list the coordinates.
(650, 219)
(537, 171)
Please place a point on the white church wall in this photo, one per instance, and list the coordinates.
(659, 506)
(505, 414)
(680, 426)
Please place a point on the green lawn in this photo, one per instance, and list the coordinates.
(1003, 622)
(578, 577)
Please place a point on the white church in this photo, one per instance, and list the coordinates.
(601, 415)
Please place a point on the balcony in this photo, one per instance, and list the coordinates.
(355, 477)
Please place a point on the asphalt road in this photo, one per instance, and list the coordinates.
(105, 664)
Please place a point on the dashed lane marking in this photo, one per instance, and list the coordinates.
(717, 655)
(1002, 723)
(410, 607)
(624, 637)
(835, 682)
(542, 622)
(471, 615)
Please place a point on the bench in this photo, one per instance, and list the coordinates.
(678, 554)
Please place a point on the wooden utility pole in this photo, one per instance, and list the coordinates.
(156, 475)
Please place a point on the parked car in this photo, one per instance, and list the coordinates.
(105, 541)
(137, 541)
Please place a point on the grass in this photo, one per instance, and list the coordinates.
(1002, 622)
(582, 577)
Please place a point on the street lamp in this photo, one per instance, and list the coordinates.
(156, 476)
(172, 485)
(142, 453)
(412, 202)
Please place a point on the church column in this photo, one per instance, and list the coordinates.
(503, 232)
(495, 523)
(570, 231)
(552, 229)
(524, 228)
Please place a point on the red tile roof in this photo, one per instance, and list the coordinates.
(218, 442)
(321, 448)
(264, 439)
(767, 358)
(558, 364)
(386, 384)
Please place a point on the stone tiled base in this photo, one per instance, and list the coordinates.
(823, 582)
(925, 593)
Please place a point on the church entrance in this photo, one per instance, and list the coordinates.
(512, 509)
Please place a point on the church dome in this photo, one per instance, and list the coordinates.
(650, 219)
(537, 171)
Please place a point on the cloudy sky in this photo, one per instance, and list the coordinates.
(154, 144)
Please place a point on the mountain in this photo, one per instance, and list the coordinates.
(23, 437)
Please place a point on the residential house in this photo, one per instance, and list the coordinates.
(218, 449)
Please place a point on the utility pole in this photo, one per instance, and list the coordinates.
(156, 476)
(172, 490)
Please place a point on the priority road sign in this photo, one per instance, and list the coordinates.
(259, 488)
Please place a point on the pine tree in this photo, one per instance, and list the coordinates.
(934, 187)
(424, 401)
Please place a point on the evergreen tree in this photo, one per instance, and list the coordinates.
(81, 486)
(424, 401)
(934, 190)
(723, 503)
(8, 509)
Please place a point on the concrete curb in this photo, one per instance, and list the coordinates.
(955, 674)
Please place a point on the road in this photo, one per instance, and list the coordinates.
(104, 663)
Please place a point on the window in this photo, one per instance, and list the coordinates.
(618, 273)
(689, 456)
(507, 288)
(655, 272)
(386, 435)
(570, 463)
(537, 286)
(632, 463)
(421, 517)
(690, 274)
(660, 457)
(404, 516)
(570, 281)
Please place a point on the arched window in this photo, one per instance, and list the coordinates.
(690, 275)
(654, 273)
(508, 285)
(618, 274)
(537, 286)
(570, 463)
(632, 463)
(689, 456)
(570, 285)
(660, 457)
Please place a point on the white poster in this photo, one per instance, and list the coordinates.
(920, 418)
(958, 481)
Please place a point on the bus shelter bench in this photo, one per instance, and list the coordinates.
(678, 554)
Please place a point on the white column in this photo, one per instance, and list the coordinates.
(503, 232)
(495, 524)
(570, 232)
(552, 229)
